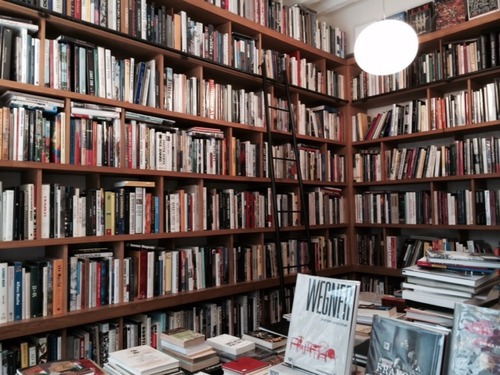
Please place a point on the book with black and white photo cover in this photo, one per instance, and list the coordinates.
(401, 347)
(323, 326)
(475, 341)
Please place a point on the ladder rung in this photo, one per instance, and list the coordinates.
(287, 159)
(280, 109)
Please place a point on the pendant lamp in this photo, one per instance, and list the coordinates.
(386, 47)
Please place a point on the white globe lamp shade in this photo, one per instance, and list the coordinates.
(386, 47)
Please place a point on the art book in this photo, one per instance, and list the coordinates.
(323, 325)
(404, 348)
(475, 341)
(449, 13)
(266, 339)
(421, 18)
(70, 367)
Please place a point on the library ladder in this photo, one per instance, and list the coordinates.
(287, 109)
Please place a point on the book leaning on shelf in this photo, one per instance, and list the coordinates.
(322, 327)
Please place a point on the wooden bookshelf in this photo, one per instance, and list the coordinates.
(53, 24)
(440, 135)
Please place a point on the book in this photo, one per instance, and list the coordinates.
(474, 341)
(244, 366)
(461, 258)
(83, 366)
(477, 8)
(230, 344)
(142, 360)
(450, 276)
(323, 324)
(134, 183)
(266, 339)
(429, 316)
(401, 347)
(421, 18)
(367, 312)
(449, 13)
(183, 337)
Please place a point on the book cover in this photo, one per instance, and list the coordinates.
(400, 347)
(477, 8)
(449, 13)
(475, 341)
(463, 258)
(183, 337)
(265, 339)
(421, 18)
(323, 325)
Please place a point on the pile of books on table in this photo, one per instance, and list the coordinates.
(443, 278)
(189, 348)
(141, 360)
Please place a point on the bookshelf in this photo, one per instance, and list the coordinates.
(449, 121)
(97, 169)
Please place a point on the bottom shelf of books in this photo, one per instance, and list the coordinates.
(323, 337)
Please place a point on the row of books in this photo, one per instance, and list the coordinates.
(17, 36)
(314, 165)
(30, 351)
(31, 289)
(486, 102)
(296, 21)
(459, 57)
(303, 73)
(322, 121)
(461, 207)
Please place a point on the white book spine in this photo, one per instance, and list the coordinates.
(3, 293)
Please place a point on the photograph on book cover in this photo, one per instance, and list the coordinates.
(323, 324)
(475, 341)
(476, 8)
(399, 347)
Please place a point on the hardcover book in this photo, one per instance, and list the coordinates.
(475, 341)
(400, 347)
(323, 325)
(244, 366)
(449, 13)
(421, 18)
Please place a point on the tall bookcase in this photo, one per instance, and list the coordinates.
(213, 70)
(426, 180)
(339, 150)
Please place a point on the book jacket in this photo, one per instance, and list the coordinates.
(475, 341)
(404, 348)
(322, 325)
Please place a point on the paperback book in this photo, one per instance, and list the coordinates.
(323, 325)
(400, 347)
(475, 341)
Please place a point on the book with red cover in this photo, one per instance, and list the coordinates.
(244, 366)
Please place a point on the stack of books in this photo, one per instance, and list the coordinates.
(230, 347)
(141, 360)
(443, 278)
(189, 348)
